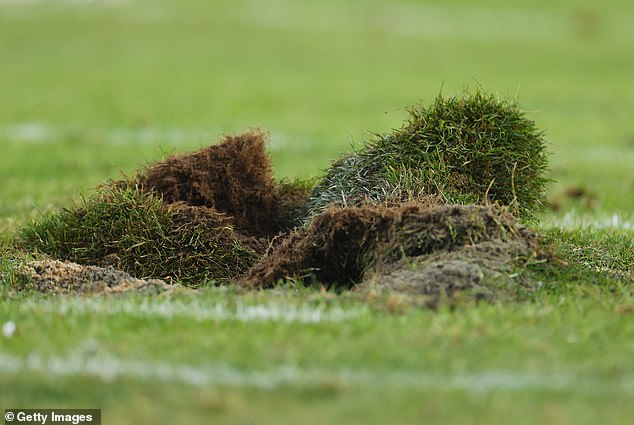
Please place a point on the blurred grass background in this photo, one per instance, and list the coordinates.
(89, 89)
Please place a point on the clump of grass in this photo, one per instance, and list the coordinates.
(470, 149)
(341, 244)
(134, 230)
(234, 177)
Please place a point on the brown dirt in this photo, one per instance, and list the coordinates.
(233, 177)
(417, 248)
(341, 244)
(52, 276)
(483, 271)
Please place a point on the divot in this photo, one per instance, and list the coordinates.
(433, 209)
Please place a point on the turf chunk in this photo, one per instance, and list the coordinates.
(136, 231)
(233, 177)
(471, 149)
(341, 244)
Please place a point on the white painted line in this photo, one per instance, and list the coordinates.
(108, 368)
(572, 220)
(33, 132)
(411, 20)
(63, 2)
(194, 310)
(43, 133)
(40, 132)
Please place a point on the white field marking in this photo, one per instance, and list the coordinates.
(605, 156)
(572, 220)
(108, 368)
(63, 2)
(195, 310)
(473, 23)
(409, 20)
(33, 132)
(400, 19)
(39, 133)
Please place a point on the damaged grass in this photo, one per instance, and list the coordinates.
(342, 245)
(469, 149)
(234, 177)
(128, 228)
(432, 210)
(196, 218)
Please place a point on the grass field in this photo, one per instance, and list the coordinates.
(93, 89)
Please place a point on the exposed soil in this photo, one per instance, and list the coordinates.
(226, 194)
(233, 177)
(342, 244)
(52, 276)
(482, 271)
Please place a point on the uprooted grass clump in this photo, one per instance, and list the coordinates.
(234, 177)
(472, 149)
(218, 214)
(193, 218)
(341, 244)
(123, 226)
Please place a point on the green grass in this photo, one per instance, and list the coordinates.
(567, 354)
(469, 149)
(123, 226)
(317, 85)
(93, 89)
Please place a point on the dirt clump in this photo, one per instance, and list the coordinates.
(52, 276)
(432, 208)
(197, 218)
(482, 271)
(234, 177)
(333, 249)
(342, 244)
